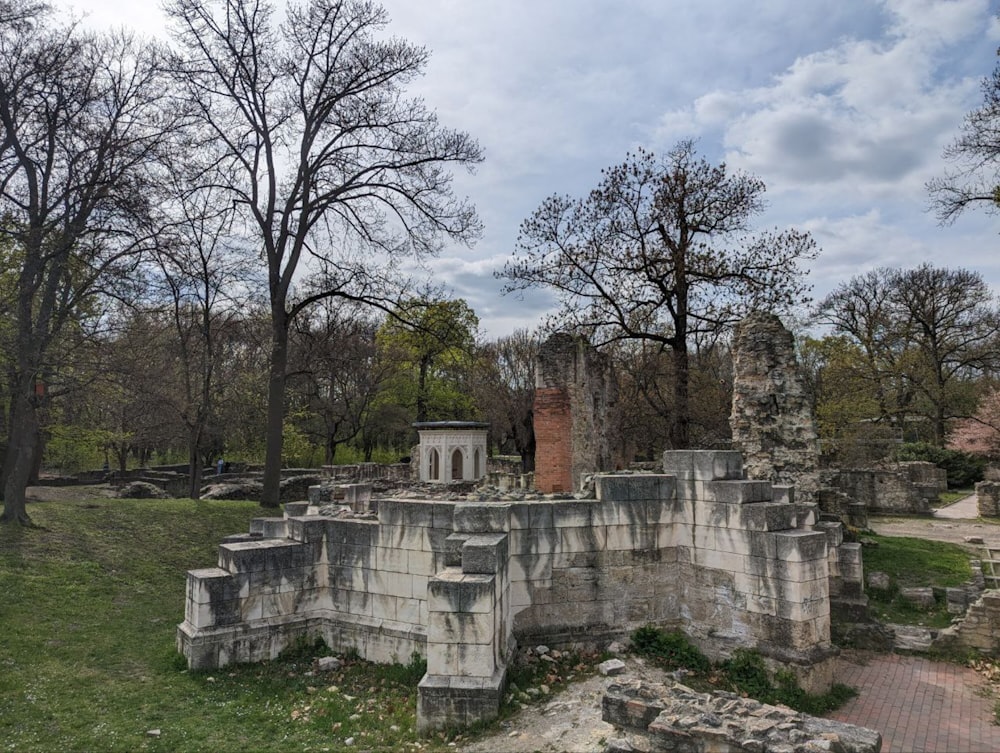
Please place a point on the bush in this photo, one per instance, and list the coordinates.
(963, 469)
(672, 649)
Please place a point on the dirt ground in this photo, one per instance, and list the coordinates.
(954, 531)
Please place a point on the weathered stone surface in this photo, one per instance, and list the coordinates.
(611, 667)
(887, 491)
(463, 581)
(922, 597)
(677, 719)
(772, 417)
(988, 498)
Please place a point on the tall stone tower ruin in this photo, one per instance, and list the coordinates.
(575, 413)
(773, 422)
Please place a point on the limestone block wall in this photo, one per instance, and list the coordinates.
(979, 629)
(358, 584)
(731, 561)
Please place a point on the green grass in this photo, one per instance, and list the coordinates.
(910, 563)
(950, 497)
(88, 613)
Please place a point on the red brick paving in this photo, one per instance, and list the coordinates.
(919, 705)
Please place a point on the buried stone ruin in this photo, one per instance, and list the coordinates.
(732, 562)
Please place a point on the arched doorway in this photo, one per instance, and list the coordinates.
(456, 465)
(434, 466)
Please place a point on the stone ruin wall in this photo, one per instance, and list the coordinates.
(576, 398)
(988, 499)
(732, 562)
(772, 417)
(907, 489)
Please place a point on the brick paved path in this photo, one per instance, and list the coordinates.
(919, 705)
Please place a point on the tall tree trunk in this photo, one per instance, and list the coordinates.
(21, 454)
(274, 429)
(195, 468)
(681, 425)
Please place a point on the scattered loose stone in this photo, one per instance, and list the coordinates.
(879, 580)
(541, 650)
(616, 648)
(611, 667)
(618, 745)
(974, 540)
(152, 733)
(328, 664)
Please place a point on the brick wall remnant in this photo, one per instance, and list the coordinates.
(772, 418)
(575, 413)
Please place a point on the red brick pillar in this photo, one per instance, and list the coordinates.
(553, 437)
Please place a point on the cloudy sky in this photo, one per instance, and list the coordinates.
(842, 107)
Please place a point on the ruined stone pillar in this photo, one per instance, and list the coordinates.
(773, 423)
(576, 429)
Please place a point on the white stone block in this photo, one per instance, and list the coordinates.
(391, 559)
(631, 537)
(420, 563)
(462, 628)
(472, 660)
(383, 607)
(530, 567)
(583, 539)
(408, 611)
(392, 584)
(718, 560)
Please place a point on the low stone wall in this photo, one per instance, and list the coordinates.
(888, 492)
(369, 472)
(677, 719)
(732, 562)
(988, 498)
(979, 629)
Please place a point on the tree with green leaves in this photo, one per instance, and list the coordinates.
(661, 251)
(432, 342)
(306, 128)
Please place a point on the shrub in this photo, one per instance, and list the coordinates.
(672, 649)
(963, 469)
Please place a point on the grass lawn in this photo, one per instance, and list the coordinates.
(88, 612)
(912, 562)
(952, 496)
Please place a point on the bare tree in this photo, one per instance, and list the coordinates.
(83, 117)
(973, 178)
(308, 131)
(660, 251)
(200, 279)
(340, 371)
(505, 389)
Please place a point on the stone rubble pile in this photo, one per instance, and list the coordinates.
(681, 720)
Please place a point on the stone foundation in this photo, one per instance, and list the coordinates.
(732, 562)
(677, 719)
